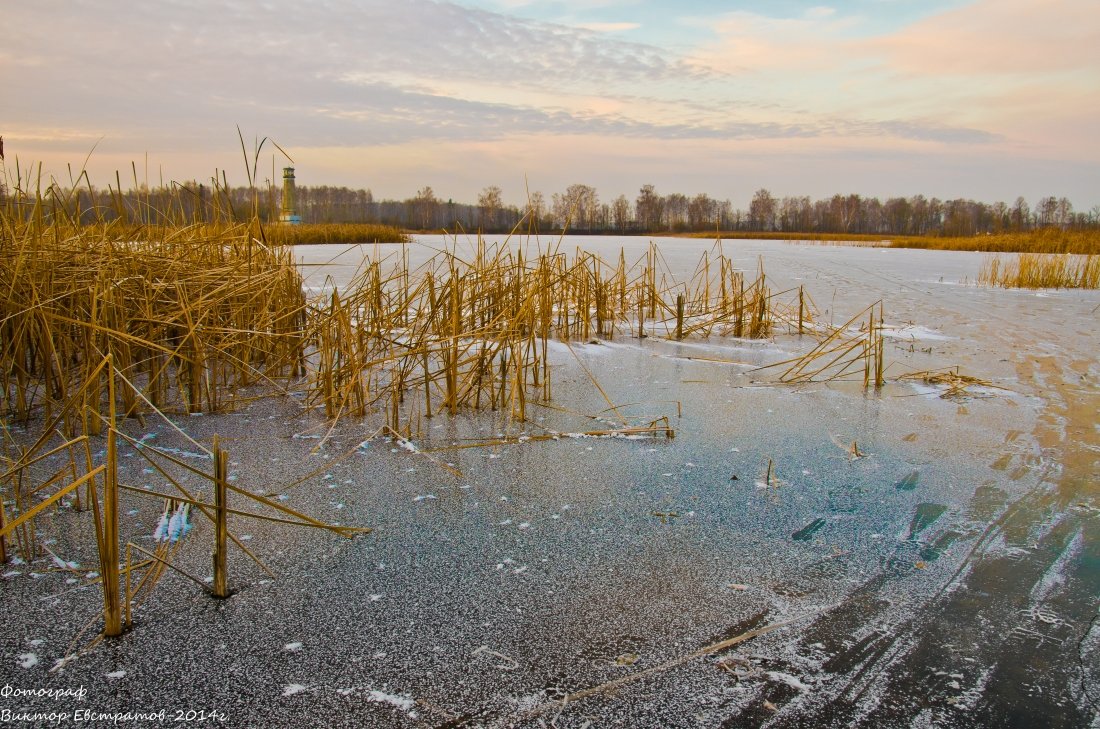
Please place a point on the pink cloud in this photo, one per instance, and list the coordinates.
(997, 37)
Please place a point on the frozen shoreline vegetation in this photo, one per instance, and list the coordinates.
(825, 551)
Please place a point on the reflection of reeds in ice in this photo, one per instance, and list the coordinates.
(1041, 271)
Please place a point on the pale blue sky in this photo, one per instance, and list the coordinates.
(986, 99)
(679, 24)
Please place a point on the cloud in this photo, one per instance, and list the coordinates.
(176, 77)
(215, 63)
(750, 43)
(997, 38)
(820, 11)
(608, 27)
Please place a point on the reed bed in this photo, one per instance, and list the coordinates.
(310, 233)
(474, 330)
(191, 318)
(870, 239)
(126, 320)
(1043, 240)
(1041, 271)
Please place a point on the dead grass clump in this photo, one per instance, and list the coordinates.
(955, 383)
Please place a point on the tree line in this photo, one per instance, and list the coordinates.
(578, 209)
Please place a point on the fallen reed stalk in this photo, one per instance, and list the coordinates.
(955, 383)
(842, 352)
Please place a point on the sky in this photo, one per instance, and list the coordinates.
(979, 99)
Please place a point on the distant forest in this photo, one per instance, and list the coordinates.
(578, 209)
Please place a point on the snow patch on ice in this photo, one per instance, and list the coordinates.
(788, 679)
(404, 703)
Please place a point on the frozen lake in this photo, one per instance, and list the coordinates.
(945, 573)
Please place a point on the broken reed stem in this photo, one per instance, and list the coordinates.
(221, 527)
(801, 309)
(109, 547)
(3, 538)
(679, 317)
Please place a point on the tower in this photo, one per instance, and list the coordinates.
(289, 213)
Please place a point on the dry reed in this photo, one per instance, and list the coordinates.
(121, 319)
(1041, 271)
(310, 233)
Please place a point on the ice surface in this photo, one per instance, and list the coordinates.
(960, 542)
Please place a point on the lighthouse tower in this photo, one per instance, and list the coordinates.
(289, 210)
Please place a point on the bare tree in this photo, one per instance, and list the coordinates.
(490, 203)
(620, 213)
(1063, 213)
(762, 210)
(676, 210)
(1046, 212)
(576, 208)
(648, 208)
(425, 207)
(1020, 216)
(702, 212)
(536, 208)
